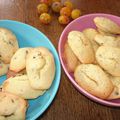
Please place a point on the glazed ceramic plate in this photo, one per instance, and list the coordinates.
(80, 24)
(30, 37)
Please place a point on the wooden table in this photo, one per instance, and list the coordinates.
(69, 104)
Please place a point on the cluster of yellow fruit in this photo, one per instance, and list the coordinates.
(66, 11)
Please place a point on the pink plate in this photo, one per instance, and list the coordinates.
(79, 24)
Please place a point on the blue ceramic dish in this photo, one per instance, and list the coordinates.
(29, 36)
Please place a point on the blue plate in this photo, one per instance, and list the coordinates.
(28, 36)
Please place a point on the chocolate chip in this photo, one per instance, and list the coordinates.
(12, 101)
(0, 89)
(26, 51)
(34, 57)
(117, 93)
(11, 43)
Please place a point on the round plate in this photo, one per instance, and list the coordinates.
(79, 24)
(28, 36)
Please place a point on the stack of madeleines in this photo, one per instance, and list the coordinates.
(93, 55)
(34, 73)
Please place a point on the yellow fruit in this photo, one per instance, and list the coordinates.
(45, 18)
(75, 13)
(56, 0)
(56, 7)
(42, 8)
(65, 11)
(63, 19)
(48, 2)
(68, 4)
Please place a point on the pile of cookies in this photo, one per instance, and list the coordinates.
(34, 70)
(93, 55)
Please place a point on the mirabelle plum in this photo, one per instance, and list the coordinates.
(63, 19)
(65, 11)
(56, 0)
(48, 2)
(45, 18)
(75, 13)
(42, 8)
(68, 4)
(56, 7)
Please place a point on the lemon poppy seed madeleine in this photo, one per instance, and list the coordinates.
(107, 25)
(81, 47)
(107, 40)
(116, 92)
(109, 59)
(94, 80)
(90, 33)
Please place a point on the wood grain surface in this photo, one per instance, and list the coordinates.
(69, 104)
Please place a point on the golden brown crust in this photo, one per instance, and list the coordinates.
(90, 33)
(70, 58)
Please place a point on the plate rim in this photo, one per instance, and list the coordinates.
(58, 66)
(80, 89)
